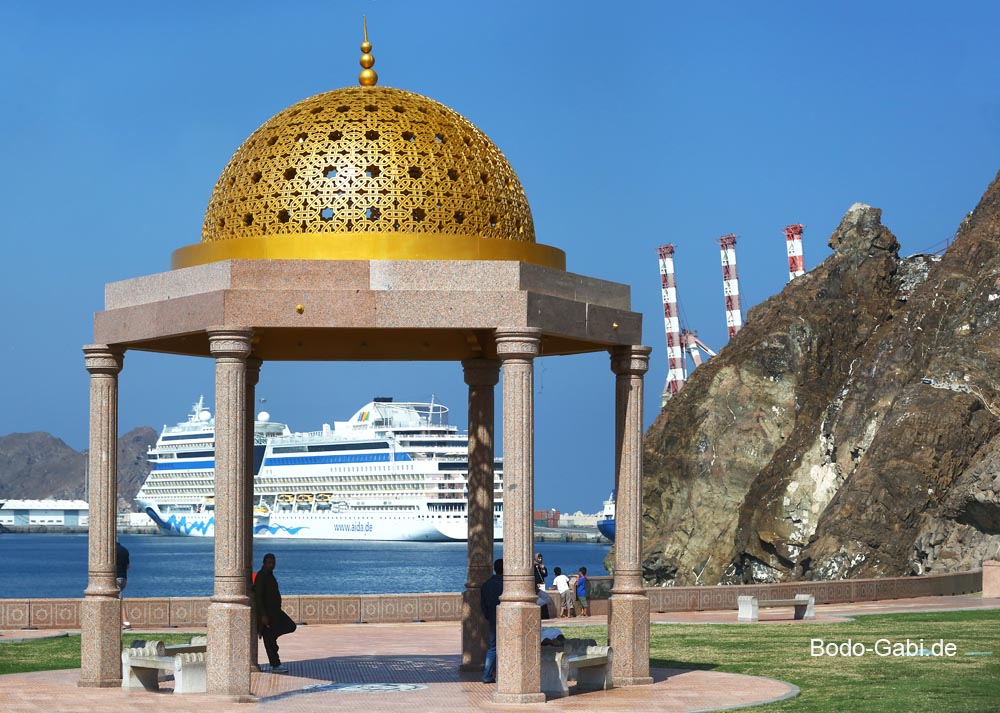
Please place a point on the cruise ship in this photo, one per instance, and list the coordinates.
(393, 471)
(606, 523)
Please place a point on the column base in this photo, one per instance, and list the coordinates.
(628, 635)
(631, 681)
(107, 683)
(519, 653)
(475, 633)
(519, 697)
(228, 658)
(100, 642)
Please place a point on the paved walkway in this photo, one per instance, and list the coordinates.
(413, 668)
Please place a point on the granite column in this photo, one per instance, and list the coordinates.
(228, 660)
(253, 376)
(481, 375)
(518, 617)
(628, 618)
(100, 611)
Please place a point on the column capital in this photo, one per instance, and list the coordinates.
(233, 343)
(102, 359)
(518, 343)
(633, 360)
(253, 372)
(481, 372)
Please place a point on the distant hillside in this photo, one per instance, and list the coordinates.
(39, 465)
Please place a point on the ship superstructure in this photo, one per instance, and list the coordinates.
(393, 471)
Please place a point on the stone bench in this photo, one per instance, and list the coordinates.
(144, 667)
(804, 604)
(590, 664)
(196, 644)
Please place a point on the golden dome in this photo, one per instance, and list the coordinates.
(368, 172)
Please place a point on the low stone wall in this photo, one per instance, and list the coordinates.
(665, 599)
(192, 612)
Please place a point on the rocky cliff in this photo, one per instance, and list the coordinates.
(851, 429)
(39, 465)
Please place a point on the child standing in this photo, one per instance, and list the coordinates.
(581, 592)
(565, 592)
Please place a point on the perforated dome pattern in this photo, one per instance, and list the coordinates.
(368, 160)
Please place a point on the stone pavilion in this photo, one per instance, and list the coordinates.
(372, 223)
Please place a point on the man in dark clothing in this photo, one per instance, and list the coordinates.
(271, 621)
(489, 600)
(121, 577)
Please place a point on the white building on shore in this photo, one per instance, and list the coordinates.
(54, 513)
(578, 519)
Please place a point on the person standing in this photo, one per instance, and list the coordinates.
(581, 592)
(489, 600)
(122, 565)
(565, 593)
(271, 621)
(541, 571)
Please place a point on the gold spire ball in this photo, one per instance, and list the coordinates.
(367, 77)
(368, 173)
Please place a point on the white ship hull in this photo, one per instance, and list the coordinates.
(322, 526)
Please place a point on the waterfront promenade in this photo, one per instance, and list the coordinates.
(413, 667)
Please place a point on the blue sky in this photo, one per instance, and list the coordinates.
(629, 126)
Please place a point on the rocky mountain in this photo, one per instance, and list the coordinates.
(850, 429)
(39, 465)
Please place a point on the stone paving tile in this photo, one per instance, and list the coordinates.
(437, 687)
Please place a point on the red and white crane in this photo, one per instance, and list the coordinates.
(676, 374)
(730, 284)
(793, 241)
(692, 344)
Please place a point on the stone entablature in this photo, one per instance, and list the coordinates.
(403, 310)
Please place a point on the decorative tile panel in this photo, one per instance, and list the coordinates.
(13, 613)
(189, 611)
(440, 607)
(147, 612)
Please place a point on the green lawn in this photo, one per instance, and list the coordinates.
(64, 652)
(870, 683)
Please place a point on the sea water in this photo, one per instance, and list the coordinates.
(55, 566)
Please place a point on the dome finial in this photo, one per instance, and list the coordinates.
(367, 77)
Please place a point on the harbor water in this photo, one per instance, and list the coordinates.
(55, 565)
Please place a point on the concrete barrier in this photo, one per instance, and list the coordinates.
(991, 579)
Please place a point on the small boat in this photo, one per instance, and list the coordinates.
(606, 524)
